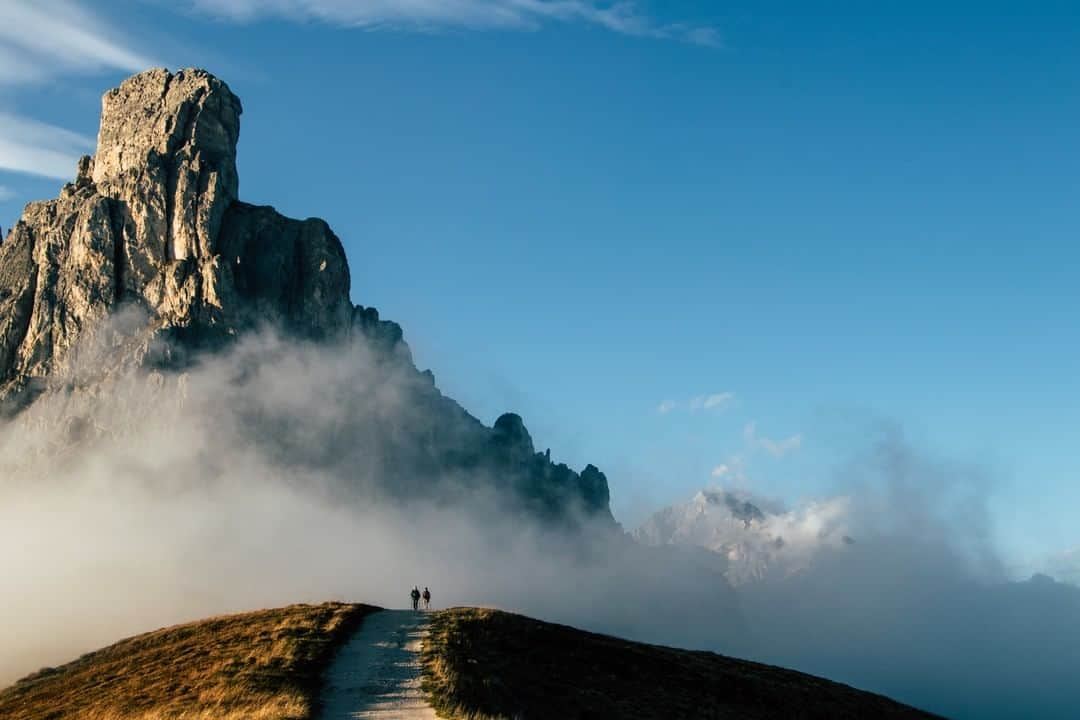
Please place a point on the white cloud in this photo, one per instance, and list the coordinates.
(666, 406)
(699, 403)
(1065, 566)
(33, 147)
(625, 17)
(706, 36)
(42, 39)
(716, 401)
(732, 471)
(780, 448)
(776, 448)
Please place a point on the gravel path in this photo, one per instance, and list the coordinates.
(377, 673)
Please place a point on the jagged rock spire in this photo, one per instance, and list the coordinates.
(152, 221)
(167, 147)
(149, 259)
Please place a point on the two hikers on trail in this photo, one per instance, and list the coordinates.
(416, 595)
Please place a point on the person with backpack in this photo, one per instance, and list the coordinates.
(415, 595)
(427, 599)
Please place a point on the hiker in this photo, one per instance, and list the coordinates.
(415, 595)
(427, 599)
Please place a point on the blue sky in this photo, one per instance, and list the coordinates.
(677, 237)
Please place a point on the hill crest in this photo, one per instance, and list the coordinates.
(477, 663)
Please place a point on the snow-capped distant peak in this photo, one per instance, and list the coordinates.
(756, 537)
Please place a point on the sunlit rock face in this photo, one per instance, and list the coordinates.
(152, 221)
(148, 263)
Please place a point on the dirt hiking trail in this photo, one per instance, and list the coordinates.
(377, 673)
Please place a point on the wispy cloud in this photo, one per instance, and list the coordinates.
(33, 147)
(625, 17)
(713, 402)
(750, 433)
(776, 448)
(780, 448)
(40, 41)
(1065, 566)
(43, 39)
(6, 193)
(716, 401)
(732, 471)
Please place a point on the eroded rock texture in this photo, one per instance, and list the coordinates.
(149, 260)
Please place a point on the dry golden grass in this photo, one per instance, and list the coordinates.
(263, 665)
(491, 665)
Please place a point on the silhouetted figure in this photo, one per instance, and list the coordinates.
(415, 595)
(427, 599)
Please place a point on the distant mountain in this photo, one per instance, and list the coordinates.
(148, 264)
(752, 538)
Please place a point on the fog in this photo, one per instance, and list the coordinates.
(919, 607)
(256, 480)
(248, 482)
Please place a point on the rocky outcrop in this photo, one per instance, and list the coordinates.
(152, 222)
(149, 260)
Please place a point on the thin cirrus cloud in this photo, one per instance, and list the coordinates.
(780, 448)
(776, 448)
(43, 39)
(40, 41)
(32, 147)
(625, 17)
(716, 401)
(699, 403)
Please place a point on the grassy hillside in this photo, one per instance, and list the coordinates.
(488, 664)
(478, 664)
(263, 665)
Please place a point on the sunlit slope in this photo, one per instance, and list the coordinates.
(263, 665)
(476, 665)
(490, 664)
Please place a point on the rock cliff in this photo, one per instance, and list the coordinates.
(149, 262)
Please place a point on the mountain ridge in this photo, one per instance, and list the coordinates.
(148, 262)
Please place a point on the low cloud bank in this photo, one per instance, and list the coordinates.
(256, 480)
(918, 605)
(274, 474)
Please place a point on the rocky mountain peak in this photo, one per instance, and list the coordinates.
(149, 260)
(175, 134)
(753, 536)
(153, 223)
(162, 114)
(511, 434)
